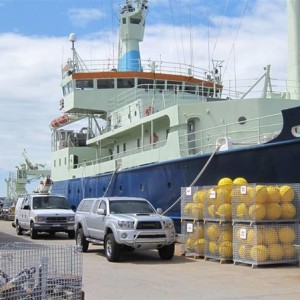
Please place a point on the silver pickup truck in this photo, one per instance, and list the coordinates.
(123, 223)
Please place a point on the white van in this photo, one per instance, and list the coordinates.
(44, 213)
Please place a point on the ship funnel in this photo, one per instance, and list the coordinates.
(132, 27)
(293, 8)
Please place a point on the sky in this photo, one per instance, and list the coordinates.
(246, 34)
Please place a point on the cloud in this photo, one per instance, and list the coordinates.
(82, 17)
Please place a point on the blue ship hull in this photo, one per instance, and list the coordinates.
(161, 183)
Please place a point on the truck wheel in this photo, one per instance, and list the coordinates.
(19, 229)
(167, 252)
(112, 248)
(33, 232)
(81, 240)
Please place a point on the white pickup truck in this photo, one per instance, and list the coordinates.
(123, 222)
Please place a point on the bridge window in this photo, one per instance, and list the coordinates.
(145, 83)
(84, 84)
(125, 82)
(105, 84)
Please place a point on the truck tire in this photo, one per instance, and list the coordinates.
(33, 232)
(19, 229)
(81, 240)
(111, 248)
(167, 252)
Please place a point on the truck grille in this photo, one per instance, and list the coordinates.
(56, 219)
(149, 225)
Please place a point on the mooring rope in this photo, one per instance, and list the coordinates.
(197, 177)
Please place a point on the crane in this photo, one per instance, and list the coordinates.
(27, 172)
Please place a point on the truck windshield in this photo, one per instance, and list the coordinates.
(131, 207)
(50, 202)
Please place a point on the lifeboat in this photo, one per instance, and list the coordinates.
(60, 121)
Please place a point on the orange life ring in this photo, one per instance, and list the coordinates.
(149, 110)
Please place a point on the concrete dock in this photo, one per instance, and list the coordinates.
(142, 275)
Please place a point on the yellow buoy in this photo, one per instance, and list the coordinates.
(239, 181)
(199, 246)
(213, 232)
(242, 211)
(259, 253)
(224, 211)
(274, 211)
(213, 248)
(257, 212)
(244, 251)
(259, 194)
(254, 237)
(270, 236)
(287, 193)
(273, 194)
(188, 209)
(197, 210)
(275, 252)
(286, 235)
(288, 210)
(225, 249)
(225, 236)
(225, 183)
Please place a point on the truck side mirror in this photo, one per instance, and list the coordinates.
(159, 211)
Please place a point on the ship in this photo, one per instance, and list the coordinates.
(148, 128)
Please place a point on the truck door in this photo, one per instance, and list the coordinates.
(92, 221)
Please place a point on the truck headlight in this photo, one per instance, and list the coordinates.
(71, 219)
(169, 224)
(126, 224)
(39, 219)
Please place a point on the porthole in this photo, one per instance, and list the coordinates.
(121, 188)
(242, 120)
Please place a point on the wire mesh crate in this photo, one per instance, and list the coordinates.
(217, 203)
(218, 241)
(267, 203)
(191, 203)
(40, 272)
(192, 238)
(269, 243)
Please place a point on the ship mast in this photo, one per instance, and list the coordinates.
(132, 27)
(293, 8)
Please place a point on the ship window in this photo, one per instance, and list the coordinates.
(59, 162)
(65, 161)
(145, 83)
(169, 185)
(135, 21)
(84, 84)
(138, 143)
(124, 147)
(124, 20)
(142, 187)
(125, 82)
(54, 163)
(242, 120)
(118, 148)
(190, 89)
(105, 84)
(121, 188)
(173, 85)
(160, 84)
